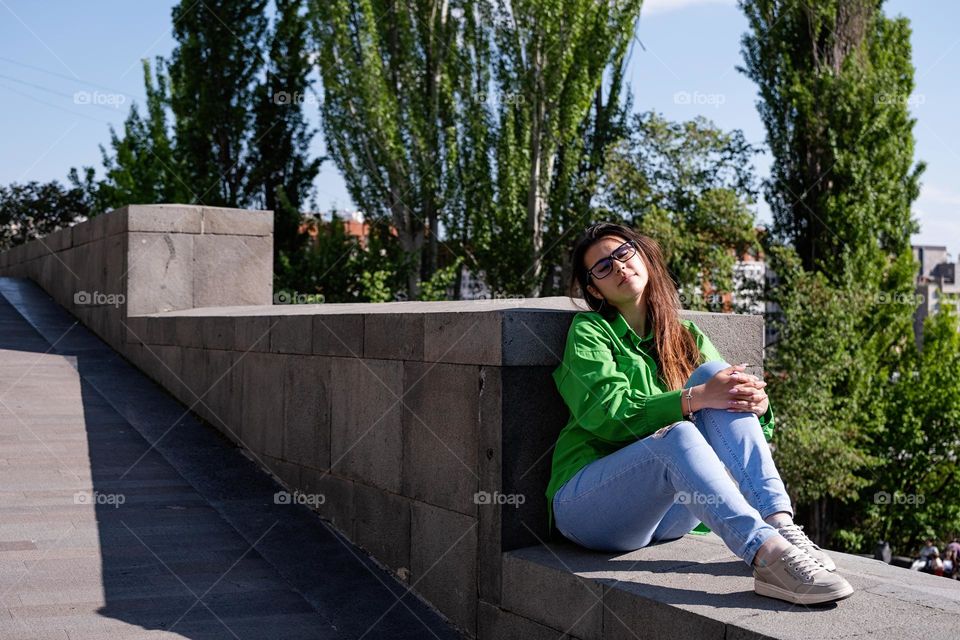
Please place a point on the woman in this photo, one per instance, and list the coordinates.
(657, 420)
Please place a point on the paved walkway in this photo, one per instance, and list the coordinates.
(104, 536)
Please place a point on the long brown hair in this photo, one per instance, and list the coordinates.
(674, 348)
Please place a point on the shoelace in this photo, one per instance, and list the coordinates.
(795, 536)
(802, 563)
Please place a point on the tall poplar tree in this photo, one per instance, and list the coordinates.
(214, 71)
(834, 78)
(281, 170)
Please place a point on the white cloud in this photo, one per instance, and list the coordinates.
(656, 7)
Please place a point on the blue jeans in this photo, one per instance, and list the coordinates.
(660, 487)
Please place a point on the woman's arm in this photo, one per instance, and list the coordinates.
(600, 397)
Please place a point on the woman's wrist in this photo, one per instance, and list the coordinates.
(695, 403)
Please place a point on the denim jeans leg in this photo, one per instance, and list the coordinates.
(618, 502)
(738, 441)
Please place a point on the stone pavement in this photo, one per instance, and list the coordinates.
(122, 516)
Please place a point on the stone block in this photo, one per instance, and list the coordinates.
(533, 337)
(738, 338)
(188, 331)
(292, 334)
(237, 222)
(490, 472)
(232, 270)
(336, 334)
(160, 272)
(443, 562)
(162, 218)
(440, 431)
(573, 603)
(393, 336)
(533, 415)
(464, 338)
(193, 376)
(382, 525)
(336, 504)
(253, 333)
(219, 332)
(262, 410)
(503, 625)
(223, 394)
(366, 441)
(624, 613)
(307, 405)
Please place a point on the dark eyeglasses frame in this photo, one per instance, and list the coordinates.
(611, 258)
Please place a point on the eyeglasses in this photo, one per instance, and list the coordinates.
(604, 266)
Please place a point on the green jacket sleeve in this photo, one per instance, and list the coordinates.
(710, 354)
(601, 398)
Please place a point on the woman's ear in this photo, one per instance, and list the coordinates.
(592, 290)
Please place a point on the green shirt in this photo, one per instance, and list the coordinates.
(609, 380)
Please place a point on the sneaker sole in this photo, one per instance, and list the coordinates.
(773, 591)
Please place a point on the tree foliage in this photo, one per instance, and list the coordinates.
(834, 79)
(689, 185)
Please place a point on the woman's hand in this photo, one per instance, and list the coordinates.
(732, 389)
(749, 395)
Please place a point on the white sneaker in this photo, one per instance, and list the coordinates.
(795, 536)
(797, 578)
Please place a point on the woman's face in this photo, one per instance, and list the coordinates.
(625, 283)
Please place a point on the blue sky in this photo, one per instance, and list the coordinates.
(70, 69)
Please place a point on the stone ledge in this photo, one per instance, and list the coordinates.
(695, 587)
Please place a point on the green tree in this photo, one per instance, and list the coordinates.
(387, 113)
(834, 78)
(913, 493)
(549, 66)
(458, 113)
(143, 168)
(214, 71)
(689, 185)
(34, 210)
(281, 170)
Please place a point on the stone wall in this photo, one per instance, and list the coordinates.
(401, 423)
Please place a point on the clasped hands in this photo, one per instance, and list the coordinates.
(732, 389)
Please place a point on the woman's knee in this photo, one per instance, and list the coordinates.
(684, 433)
(704, 372)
